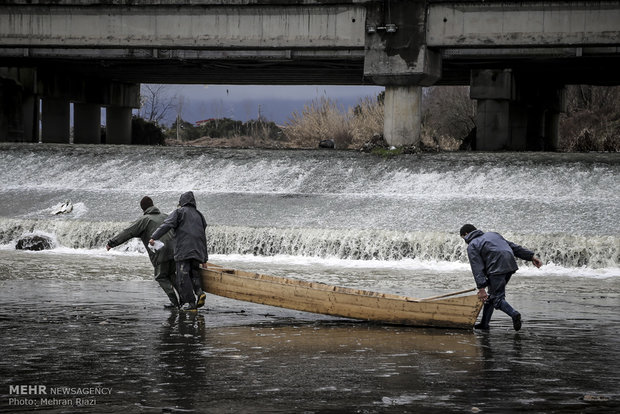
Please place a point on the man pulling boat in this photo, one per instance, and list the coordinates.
(492, 260)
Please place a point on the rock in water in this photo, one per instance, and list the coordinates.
(34, 242)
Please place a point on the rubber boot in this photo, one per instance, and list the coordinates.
(200, 294)
(516, 316)
(487, 311)
(174, 302)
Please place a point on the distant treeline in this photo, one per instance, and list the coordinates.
(591, 122)
(224, 128)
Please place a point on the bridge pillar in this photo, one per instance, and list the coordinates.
(86, 123)
(19, 110)
(499, 122)
(397, 57)
(516, 112)
(552, 130)
(403, 115)
(118, 125)
(544, 102)
(55, 120)
(10, 116)
(30, 116)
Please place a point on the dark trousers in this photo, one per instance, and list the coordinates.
(165, 276)
(497, 298)
(497, 293)
(188, 280)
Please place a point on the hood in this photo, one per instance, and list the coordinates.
(151, 210)
(187, 199)
(473, 235)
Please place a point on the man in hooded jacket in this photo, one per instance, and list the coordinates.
(492, 260)
(162, 259)
(190, 249)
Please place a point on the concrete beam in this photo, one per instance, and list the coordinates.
(396, 52)
(514, 24)
(88, 90)
(201, 25)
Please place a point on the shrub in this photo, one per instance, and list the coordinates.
(322, 120)
(591, 121)
(144, 132)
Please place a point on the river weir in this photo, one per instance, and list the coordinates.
(76, 316)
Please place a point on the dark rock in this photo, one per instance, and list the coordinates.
(375, 142)
(327, 143)
(34, 242)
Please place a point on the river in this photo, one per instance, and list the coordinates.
(79, 316)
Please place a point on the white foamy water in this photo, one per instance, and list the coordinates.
(320, 208)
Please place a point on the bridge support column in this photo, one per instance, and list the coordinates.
(10, 116)
(545, 102)
(402, 115)
(396, 56)
(86, 123)
(55, 121)
(516, 112)
(552, 130)
(19, 110)
(500, 124)
(118, 125)
(30, 116)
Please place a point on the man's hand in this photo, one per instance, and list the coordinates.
(482, 294)
(537, 262)
(151, 242)
(107, 247)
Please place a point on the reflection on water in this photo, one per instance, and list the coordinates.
(242, 357)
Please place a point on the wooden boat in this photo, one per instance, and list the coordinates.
(445, 311)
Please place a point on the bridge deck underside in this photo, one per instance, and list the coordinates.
(601, 70)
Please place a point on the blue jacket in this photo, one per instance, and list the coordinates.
(190, 240)
(490, 254)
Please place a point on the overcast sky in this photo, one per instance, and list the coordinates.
(255, 92)
(242, 102)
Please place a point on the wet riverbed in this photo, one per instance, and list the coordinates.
(111, 338)
(83, 326)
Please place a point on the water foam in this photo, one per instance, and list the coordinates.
(348, 247)
(145, 169)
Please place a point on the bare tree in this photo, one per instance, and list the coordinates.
(449, 110)
(156, 101)
(592, 98)
(592, 119)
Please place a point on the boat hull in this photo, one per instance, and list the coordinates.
(455, 312)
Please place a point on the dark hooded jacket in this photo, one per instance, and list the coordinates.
(490, 254)
(143, 228)
(190, 240)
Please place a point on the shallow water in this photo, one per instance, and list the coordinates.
(105, 327)
(77, 317)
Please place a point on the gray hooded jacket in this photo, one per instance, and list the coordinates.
(490, 254)
(190, 240)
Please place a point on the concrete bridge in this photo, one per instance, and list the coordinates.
(516, 56)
